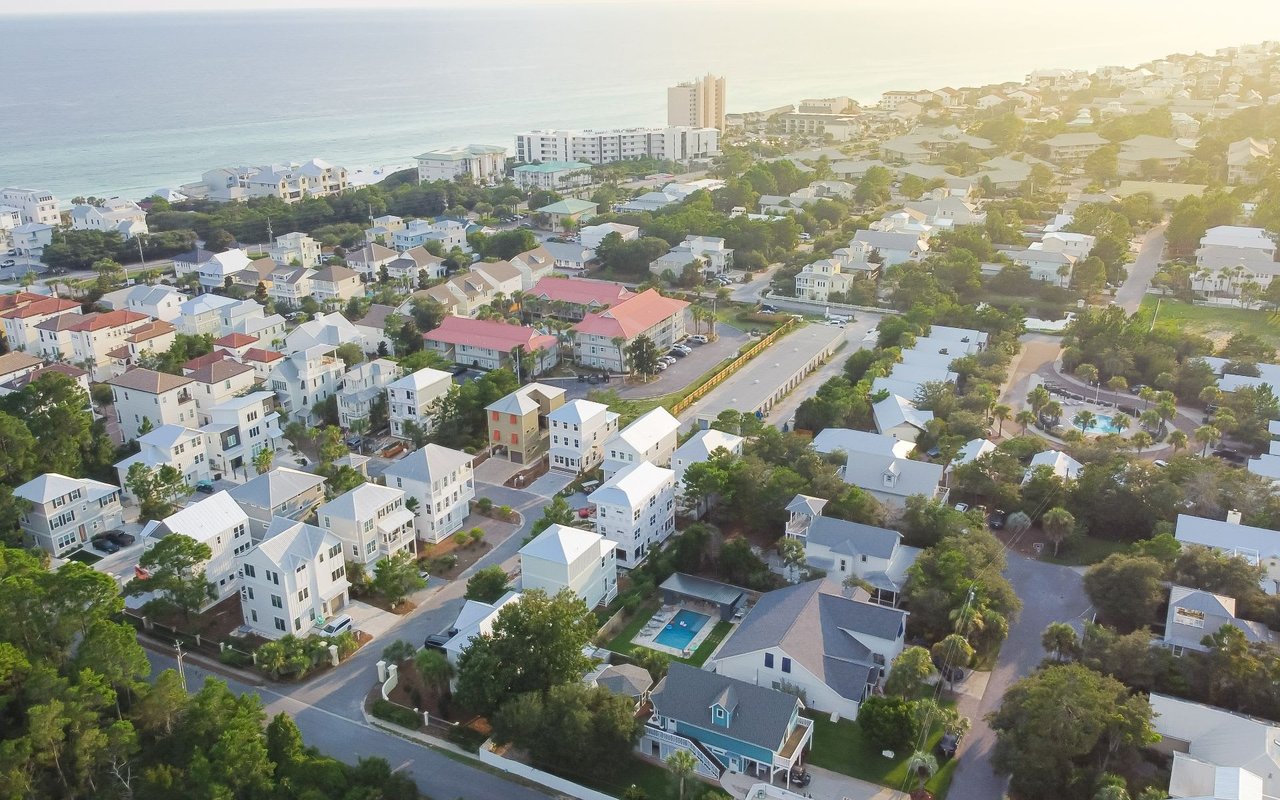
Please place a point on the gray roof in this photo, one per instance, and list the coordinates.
(818, 626)
(275, 487)
(702, 588)
(853, 538)
(759, 715)
(627, 680)
(888, 240)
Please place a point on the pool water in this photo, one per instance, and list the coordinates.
(1102, 424)
(681, 629)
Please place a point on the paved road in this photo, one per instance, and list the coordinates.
(1142, 270)
(328, 709)
(1049, 593)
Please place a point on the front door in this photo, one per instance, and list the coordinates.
(734, 764)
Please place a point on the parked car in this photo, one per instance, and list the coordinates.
(947, 745)
(204, 487)
(436, 641)
(997, 519)
(120, 537)
(698, 338)
(768, 309)
(1160, 463)
(354, 441)
(9, 262)
(661, 366)
(682, 349)
(962, 507)
(678, 353)
(102, 543)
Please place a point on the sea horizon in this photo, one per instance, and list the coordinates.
(133, 102)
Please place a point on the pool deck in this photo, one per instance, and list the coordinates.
(658, 622)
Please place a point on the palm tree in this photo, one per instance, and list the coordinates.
(1146, 394)
(262, 460)
(620, 342)
(1001, 412)
(1038, 398)
(360, 427)
(1057, 523)
(1053, 410)
(1084, 420)
(1025, 418)
(1207, 435)
(1177, 440)
(924, 766)
(1118, 383)
(435, 669)
(1141, 440)
(682, 764)
(1121, 422)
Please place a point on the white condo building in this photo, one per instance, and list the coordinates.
(36, 206)
(636, 509)
(483, 163)
(219, 522)
(579, 430)
(626, 144)
(293, 581)
(442, 482)
(411, 398)
(651, 437)
(562, 557)
(697, 103)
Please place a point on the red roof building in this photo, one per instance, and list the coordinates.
(649, 313)
(487, 343)
(579, 297)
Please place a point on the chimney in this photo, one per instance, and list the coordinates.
(1233, 517)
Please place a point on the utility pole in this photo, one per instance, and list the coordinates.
(182, 672)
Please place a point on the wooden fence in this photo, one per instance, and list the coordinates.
(732, 367)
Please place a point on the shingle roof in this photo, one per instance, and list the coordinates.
(627, 680)
(221, 370)
(148, 380)
(360, 503)
(632, 316)
(207, 518)
(759, 715)
(853, 538)
(489, 334)
(432, 460)
(51, 485)
(275, 487)
(631, 484)
(580, 292)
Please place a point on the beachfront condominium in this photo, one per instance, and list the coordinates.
(288, 182)
(35, 206)
(679, 143)
(483, 163)
(698, 103)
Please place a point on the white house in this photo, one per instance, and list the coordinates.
(219, 522)
(482, 163)
(289, 285)
(184, 449)
(708, 252)
(413, 398)
(361, 386)
(894, 248)
(124, 217)
(305, 378)
(636, 509)
(1194, 614)
(835, 646)
(1259, 546)
(850, 549)
(488, 343)
(282, 492)
(35, 205)
(579, 430)
(562, 557)
(21, 322)
(219, 381)
(1063, 465)
(65, 513)
(557, 176)
(295, 247)
(701, 447)
(144, 396)
(417, 232)
(203, 314)
(372, 522)
(293, 581)
(1214, 749)
(240, 428)
(1226, 247)
(592, 235)
(881, 465)
(442, 482)
(651, 437)
(474, 619)
(898, 417)
(158, 302)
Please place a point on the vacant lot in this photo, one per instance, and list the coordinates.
(1214, 322)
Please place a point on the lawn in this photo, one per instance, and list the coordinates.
(1082, 551)
(622, 642)
(1214, 322)
(84, 557)
(656, 782)
(842, 747)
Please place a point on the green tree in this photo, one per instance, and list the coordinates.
(263, 459)
(792, 553)
(435, 670)
(557, 512)
(1057, 524)
(175, 575)
(910, 672)
(1062, 725)
(396, 577)
(575, 728)
(536, 644)
(643, 354)
(157, 490)
(1061, 640)
(488, 584)
(682, 764)
(889, 722)
(953, 650)
(1126, 589)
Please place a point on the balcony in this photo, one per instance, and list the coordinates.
(185, 397)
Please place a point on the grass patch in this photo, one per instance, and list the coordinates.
(842, 747)
(1082, 551)
(84, 557)
(709, 644)
(622, 642)
(1217, 323)
(655, 781)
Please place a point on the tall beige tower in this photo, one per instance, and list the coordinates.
(698, 103)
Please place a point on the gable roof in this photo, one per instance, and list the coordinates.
(207, 518)
(895, 410)
(275, 487)
(853, 538)
(521, 402)
(759, 715)
(431, 460)
(633, 316)
(630, 484)
(1221, 737)
(148, 380)
(489, 334)
(818, 626)
(703, 443)
(223, 369)
(649, 428)
(362, 502)
(579, 291)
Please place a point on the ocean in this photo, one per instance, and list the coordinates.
(125, 104)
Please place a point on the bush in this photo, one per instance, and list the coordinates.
(485, 505)
(889, 722)
(399, 715)
(398, 651)
(235, 658)
(505, 512)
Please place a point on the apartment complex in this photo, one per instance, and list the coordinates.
(625, 144)
(35, 206)
(697, 104)
(482, 163)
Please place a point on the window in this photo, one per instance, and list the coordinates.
(786, 664)
(277, 601)
(253, 615)
(338, 573)
(304, 594)
(768, 660)
(297, 623)
(280, 626)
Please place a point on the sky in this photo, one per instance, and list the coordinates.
(169, 6)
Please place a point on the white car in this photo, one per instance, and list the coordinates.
(698, 338)
(683, 349)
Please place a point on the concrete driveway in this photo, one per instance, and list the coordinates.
(1050, 593)
(1142, 270)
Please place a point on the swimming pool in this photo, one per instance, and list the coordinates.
(681, 629)
(1102, 424)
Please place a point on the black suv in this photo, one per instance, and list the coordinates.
(119, 537)
(436, 641)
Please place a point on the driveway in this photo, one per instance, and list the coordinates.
(328, 709)
(1142, 270)
(1049, 593)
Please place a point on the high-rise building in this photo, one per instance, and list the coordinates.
(697, 103)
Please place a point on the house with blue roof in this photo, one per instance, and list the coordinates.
(828, 644)
(725, 723)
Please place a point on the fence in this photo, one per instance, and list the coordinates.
(732, 367)
(822, 304)
(493, 759)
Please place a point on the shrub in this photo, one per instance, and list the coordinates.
(505, 512)
(399, 715)
(235, 658)
(398, 651)
(485, 505)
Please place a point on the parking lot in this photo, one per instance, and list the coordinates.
(682, 373)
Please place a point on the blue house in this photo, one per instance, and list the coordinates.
(727, 724)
